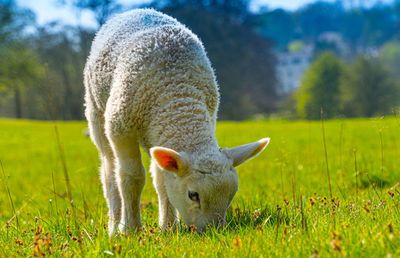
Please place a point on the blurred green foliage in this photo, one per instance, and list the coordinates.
(41, 65)
(390, 55)
(364, 88)
(368, 89)
(320, 88)
(295, 46)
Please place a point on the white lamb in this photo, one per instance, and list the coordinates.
(149, 83)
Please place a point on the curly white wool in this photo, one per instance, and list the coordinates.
(149, 73)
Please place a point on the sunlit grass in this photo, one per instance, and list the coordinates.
(283, 207)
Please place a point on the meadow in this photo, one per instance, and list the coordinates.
(302, 196)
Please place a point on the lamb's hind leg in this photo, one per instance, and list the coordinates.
(107, 174)
(130, 178)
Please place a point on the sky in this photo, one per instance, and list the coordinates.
(48, 10)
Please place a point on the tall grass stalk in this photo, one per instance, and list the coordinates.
(395, 116)
(382, 164)
(61, 152)
(52, 110)
(303, 223)
(9, 195)
(54, 191)
(374, 187)
(341, 145)
(356, 171)
(326, 152)
(277, 222)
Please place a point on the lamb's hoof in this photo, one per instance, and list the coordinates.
(112, 230)
(126, 230)
(172, 226)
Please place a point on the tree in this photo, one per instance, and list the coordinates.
(64, 53)
(233, 10)
(243, 60)
(13, 20)
(320, 88)
(102, 9)
(352, 27)
(277, 25)
(19, 69)
(390, 56)
(319, 17)
(379, 25)
(367, 88)
(19, 66)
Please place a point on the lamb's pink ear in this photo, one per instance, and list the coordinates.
(170, 160)
(245, 152)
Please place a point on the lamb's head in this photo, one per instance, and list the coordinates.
(202, 185)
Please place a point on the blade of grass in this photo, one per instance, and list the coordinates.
(382, 165)
(326, 152)
(9, 195)
(356, 171)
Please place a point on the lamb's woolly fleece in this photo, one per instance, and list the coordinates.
(149, 75)
(148, 81)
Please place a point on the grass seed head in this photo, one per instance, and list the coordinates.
(237, 242)
(19, 242)
(391, 194)
(390, 227)
(312, 201)
(192, 228)
(315, 254)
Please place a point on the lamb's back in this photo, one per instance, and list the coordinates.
(163, 82)
(110, 42)
(148, 72)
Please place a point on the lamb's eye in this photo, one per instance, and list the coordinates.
(194, 196)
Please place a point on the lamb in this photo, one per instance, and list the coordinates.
(149, 83)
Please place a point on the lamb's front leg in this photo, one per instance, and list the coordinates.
(130, 175)
(167, 213)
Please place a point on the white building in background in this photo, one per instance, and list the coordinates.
(291, 67)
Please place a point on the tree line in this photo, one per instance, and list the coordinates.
(359, 25)
(41, 65)
(41, 71)
(360, 80)
(364, 87)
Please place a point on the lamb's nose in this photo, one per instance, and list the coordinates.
(218, 223)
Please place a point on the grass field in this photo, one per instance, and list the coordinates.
(284, 206)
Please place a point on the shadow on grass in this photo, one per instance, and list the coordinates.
(367, 180)
(237, 219)
(243, 217)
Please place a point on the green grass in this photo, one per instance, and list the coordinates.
(283, 207)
